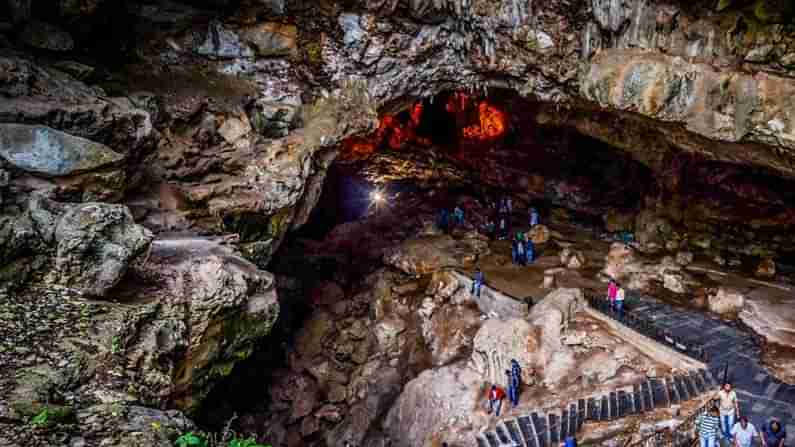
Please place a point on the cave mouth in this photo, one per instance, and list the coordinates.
(460, 148)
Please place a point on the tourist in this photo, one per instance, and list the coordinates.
(619, 302)
(533, 217)
(458, 213)
(530, 251)
(612, 290)
(728, 410)
(773, 434)
(520, 252)
(477, 283)
(515, 380)
(444, 220)
(496, 395)
(515, 252)
(744, 433)
(503, 228)
(707, 425)
(509, 205)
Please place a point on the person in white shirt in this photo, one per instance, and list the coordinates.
(744, 433)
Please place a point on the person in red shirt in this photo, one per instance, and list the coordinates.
(496, 395)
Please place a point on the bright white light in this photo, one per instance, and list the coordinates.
(377, 196)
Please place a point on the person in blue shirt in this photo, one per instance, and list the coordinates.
(773, 434)
(520, 256)
(515, 252)
(477, 283)
(444, 220)
(530, 251)
(515, 381)
(458, 213)
(533, 217)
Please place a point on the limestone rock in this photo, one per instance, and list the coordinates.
(539, 234)
(271, 39)
(497, 342)
(684, 258)
(47, 37)
(770, 317)
(572, 259)
(205, 309)
(133, 425)
(46, 151)
(766, 269)
(616, 221)
(651, 231)
(726, 301)
(759, 54)
(234, 129)
(618, 258)
(96, 243)
(429, 254)
(223, 43)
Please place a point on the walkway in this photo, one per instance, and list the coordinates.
(761, 395)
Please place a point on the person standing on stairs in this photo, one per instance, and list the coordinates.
(477, 283)
(773, 434)
(729, 410)
(520, 252)
(744, 433)
(612, 290)
(515, 381)
(708, 425)
(619, 302)
(530, 251)
(515, 251)
(533, 217)
(496, 395)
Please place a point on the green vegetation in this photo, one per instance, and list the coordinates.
(115, 345)
(41, 419)
(191, 439)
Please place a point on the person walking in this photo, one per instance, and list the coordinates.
(708, 425)
(520, 256)
(612, 290)
(477, 283)
(533, 217)
(530, 251)
(515, 380)
(729, 410)
(503, 227)
(515, 252)
(619, 302)
(458, 213)
(744, 433)
(773, 434)
(509, 205)
(444, 220)
(496, 395)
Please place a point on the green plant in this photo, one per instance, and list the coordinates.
(250, 442)
(41, 419)
(190, 440)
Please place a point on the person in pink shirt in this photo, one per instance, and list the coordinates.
(612, 291)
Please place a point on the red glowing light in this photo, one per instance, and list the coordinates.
(490, 125)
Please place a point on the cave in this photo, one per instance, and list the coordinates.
(240, 223)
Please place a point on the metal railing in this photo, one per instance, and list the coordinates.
(683, 435)
(644, 325)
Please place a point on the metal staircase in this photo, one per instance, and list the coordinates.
(534, 430)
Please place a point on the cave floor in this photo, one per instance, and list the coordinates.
(761, 395)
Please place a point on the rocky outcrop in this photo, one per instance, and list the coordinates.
(427, 255)
(726, 301)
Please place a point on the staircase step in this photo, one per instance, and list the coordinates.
(593, 410)
(660, 395)
(673, 392)
(604, 409)
(613, 405)
(709, 379)
(690, 384)
(684, 393)
(581, 414)
(648, 394)
(542, 434)
(492, 439)
(481, 440)
(641, 404)
(573, 419)
(502, 434)
(698, 381)
(553, 425)
(564, 424)
(624, 405)
(528, 431)
(513, 431)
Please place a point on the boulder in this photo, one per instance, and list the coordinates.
(498, 342)
(766, 269)
(429, 254)
(202, 309)
(684, 258)
(539, 234)
(652, 231)
(46, 151)
(572, 259)
(96, 243)
(45, 36)
(726, 301)
(223, 43)
(271, 39)
(132, 425)
(771, 316)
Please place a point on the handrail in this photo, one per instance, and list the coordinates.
(678, 437)
(645, 326)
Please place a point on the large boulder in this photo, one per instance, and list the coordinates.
(203, 309)
(539, 234)
(271, 39)
(652, 231)
(96, 243)
(726, 301)
(46, 151)
(429, 254)
(766, 269)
